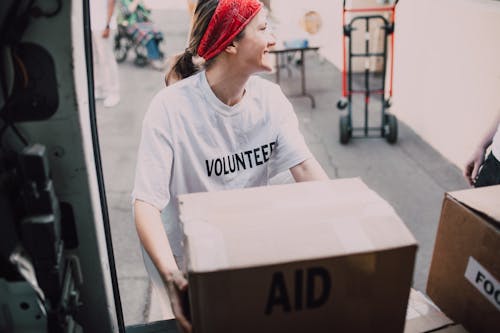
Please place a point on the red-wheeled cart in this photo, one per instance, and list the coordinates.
(364, 83)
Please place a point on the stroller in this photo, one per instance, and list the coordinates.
(125, 39)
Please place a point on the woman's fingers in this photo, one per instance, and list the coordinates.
(468, 171)
(182, 321)
(177, 289)
(475, 171)
(179, 280)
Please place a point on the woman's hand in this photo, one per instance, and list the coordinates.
(472, 167)
(177, 288)
(105, 32)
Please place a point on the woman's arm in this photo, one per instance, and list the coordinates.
(111, 9)
(155, 241)
(308, 170)
(153, 237)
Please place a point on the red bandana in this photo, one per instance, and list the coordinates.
(229, 19)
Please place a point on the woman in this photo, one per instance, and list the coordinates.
(217, 128)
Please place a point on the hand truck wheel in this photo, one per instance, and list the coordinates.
(387, 103)
(392, 126)
(345, 129)
(342, 103)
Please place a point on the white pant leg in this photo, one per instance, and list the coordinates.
(106, 77)
(97, 55)
(111, 77)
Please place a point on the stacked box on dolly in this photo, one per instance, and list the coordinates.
(365, 19)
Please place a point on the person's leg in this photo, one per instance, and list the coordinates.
(97, 56)
(152, 47)
(110, 75)
(489, 174)
(154, 55)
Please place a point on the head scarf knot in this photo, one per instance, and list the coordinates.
(229, 19)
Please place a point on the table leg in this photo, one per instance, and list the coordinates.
(277, 68)
(303, 79)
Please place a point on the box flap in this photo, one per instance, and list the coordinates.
(422, 315)
(483, 199)
(286, 223)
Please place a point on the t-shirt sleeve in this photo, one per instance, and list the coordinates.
(291, 148)
(154, 159)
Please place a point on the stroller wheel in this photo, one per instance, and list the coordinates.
(140, 60)
(121, 49)
(392, 126)
(141, 56)
(345, 129)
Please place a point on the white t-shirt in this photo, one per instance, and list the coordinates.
(192, 142)
(495, 145)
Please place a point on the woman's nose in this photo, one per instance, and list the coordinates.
(272, 39)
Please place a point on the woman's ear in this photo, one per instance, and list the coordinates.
(232, 48)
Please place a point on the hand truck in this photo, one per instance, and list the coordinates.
(389, 124)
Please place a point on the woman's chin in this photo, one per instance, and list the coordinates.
(267, 67)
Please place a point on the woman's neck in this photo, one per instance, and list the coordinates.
(227, 84)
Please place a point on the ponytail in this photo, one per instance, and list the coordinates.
(188, 63)
(182, 67)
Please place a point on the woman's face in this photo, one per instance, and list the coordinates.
(253, 49)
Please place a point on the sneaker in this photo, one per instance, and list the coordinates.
(159, 64)
(111, 101)
(98, 94)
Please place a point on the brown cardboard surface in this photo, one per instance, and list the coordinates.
(463, 237)
(308, 257)
(366, 291)
(452, 329)
(484, 199)
(422, 315)
(339, 217)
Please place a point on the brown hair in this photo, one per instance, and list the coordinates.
(188, 63)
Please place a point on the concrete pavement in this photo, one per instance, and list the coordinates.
(410, 175)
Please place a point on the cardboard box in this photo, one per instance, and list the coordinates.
(376, 36)
(423, 316)
(465, 268)
(456, 328)
(307, 257)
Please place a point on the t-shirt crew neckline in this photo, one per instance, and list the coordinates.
(216, 103)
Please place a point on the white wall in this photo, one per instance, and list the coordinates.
(447, 71)
(329, 38)
(446, 68)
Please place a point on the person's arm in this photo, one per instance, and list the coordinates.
(111, 9)
(155, 241)
(308, 170)
(474, 163)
